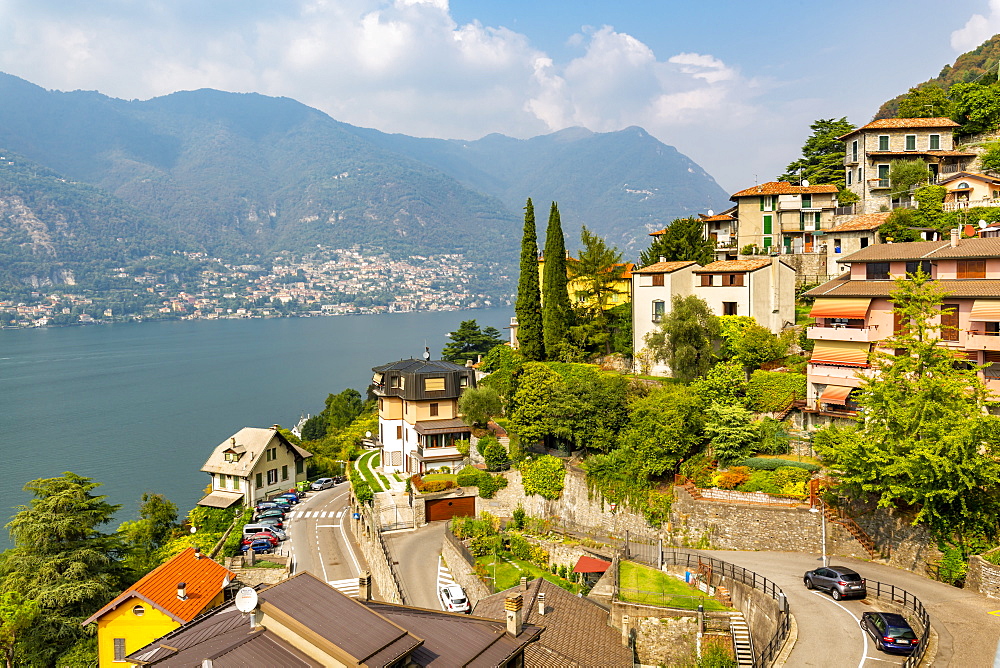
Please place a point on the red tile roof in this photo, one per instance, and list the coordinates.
(663, 267)
(867, 221)
(587, 564)
(204, 579)
(733, 265)
(718, 217)
(902, 123)
(783, 188)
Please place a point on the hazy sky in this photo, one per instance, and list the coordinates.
(733, 84)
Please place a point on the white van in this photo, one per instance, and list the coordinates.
(250, 529)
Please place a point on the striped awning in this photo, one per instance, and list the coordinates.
(844, 307)
(986, 310)
(844, 353)
(835, 394)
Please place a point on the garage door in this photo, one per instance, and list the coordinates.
(445, 509)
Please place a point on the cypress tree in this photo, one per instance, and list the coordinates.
(555, 304)
(528, 306)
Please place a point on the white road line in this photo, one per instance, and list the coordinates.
(864, 634)
(350, 549)
(327, 526)
(340, 513)
(349, 586)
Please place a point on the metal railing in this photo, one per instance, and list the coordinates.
(910, 603)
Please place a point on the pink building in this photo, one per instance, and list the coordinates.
(853, 313)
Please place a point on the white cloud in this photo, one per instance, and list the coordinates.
(977, 29)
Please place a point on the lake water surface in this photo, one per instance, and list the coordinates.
(140, 407)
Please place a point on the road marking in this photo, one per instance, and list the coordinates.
(327, 526)
(864, 634)
(340, 513)
(350, 549)
(349, 586)
(995, 612)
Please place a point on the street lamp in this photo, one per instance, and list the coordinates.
(822, 523)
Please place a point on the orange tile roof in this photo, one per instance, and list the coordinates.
(783, 188)
(902, 123)
(204, 579)
(733, 265)
(663, 267)
(717, 217)
(867, 221)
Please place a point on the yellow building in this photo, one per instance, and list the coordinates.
(173, 594)
(577, 288)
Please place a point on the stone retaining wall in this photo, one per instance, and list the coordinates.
(913, 549)
(461, 571)
(663, 636)
(366, 532)
(983, 577)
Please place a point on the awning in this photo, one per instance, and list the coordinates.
(377, 379)
(986, 310)
(844, 307)
(845, 353)
(591, 565)
(452, 426)
(835, 394)
(221, 499)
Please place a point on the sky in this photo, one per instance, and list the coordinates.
(732, 84)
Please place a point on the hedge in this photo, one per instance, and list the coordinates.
(544, 476)
(771, 391)
(769, 464)
(488, 484)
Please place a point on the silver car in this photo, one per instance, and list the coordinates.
(276, 532)
(322, 483)
(840, 581)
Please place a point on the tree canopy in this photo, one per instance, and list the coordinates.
(822, 158)
(556, 311)
(682, 240)
(597, 276)
(468, 342)
(528, 306)
(686, 338)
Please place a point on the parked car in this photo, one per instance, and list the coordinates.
(839, 581)
(262, 535)
(453, 599)
(271, 512)
(276, 531)
(262, 546)
(290, 497)
(322, 483)
(270, 522)
(337, 479)
(890, 631)
(264, 505)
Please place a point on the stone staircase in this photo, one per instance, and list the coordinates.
(742, 642)
(836, 516)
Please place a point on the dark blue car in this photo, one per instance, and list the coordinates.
(890, 631)
(259, 546)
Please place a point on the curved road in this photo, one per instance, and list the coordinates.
(828, 631)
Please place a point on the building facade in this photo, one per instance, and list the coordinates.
(781, 218)
(418, 418)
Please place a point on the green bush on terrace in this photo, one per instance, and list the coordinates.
(770, 391)
(769, 464)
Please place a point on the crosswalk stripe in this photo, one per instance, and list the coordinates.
(348, 586)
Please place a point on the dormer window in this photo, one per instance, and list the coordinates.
(232, 456)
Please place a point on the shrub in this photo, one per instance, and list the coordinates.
(517, 521)
(494, 454)
(490, 484)
(760, 481)
(771, 391)
(539, 556)
(732, 478)
(563, 571)
(463, 447)
(519, 546)
(436, 486)
(480, 546)
(544, 476)
(469, 476)
(768, 464)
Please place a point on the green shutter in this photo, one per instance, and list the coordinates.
(802, 221)
(762, 203)
(767, 224)
(260, 480)
(816, 220)
(767, 242)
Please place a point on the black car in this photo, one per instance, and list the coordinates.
(890, 631)
(840, 581)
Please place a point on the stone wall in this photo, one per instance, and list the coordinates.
(461, 571)
(983, 577)
(663, 636)
(367, 533)
(574, 507)
(913, 549)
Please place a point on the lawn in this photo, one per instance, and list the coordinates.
(641, 584)
(510, 570)
(430, 477)
(363, 464)
(795, 458)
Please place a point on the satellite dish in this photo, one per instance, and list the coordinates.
(982, 224)
(246, 600)
(805, 183)
(427, 353)
(710, 213)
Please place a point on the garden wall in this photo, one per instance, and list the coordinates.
(983, 577)
(912, 547)
(574, 506)
(461, 570)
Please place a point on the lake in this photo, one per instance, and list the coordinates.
(139, 407)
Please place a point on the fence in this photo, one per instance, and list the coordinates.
(911, 603)
(460, 547)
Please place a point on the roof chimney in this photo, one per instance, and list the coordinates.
(541, 602)
(182, 591)
(197, 553)
(365, 586)
(512, 605)
(626, 636)
(232, 441)
(524, 583)
(954, 238)
(663, 259)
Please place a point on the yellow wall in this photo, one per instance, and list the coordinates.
(447, 409)
(623, 286)
(391, 408)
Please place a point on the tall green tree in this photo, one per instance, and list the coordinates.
(924, 439)
(682, 240)
(926, 102)
(144, 536)
(478, 405)
(343, 408)
(732, 431)
(686, 338)
(468, 342)
(977, 106)
(598, 278)
(61, 560)
(528, 306)
(822, 158)
(905, 175)
(664, 427)
(530, 407)
(17, 615)
(555, 296)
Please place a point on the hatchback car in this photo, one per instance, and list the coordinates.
(264, 505)
(839, 581)
(290, 497)
(453, 599)
(270, 512)
(262, 535)
(258, 546)
(271, 522)
(276, 531)
(890, 631)
(322, 483)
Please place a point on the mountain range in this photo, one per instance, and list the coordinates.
(234, 174)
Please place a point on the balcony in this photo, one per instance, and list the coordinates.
(970, 204)
(878, 184)
(847, 210)
(981, 340)
(843, 333)
(837, 375)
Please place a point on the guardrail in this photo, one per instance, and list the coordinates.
(911, 603)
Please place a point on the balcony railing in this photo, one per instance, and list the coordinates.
(970, 204)
(858, 333)
(981, 340)
(878, 184)
(848, 210)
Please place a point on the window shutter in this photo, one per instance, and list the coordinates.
(434, 384)
(768, 222)
(119, 649)
(762, 203)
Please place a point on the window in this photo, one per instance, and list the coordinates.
(949, 322)
(119, 649)
(434, 409)
(883, 176)
(138, 611)
(284, 472)
(807, 201)
(299, 467)
(836, 245)
(706, 280)
(657, 280)
(877, 271)
(272, 476)
(910, 143)
(809, 220)
(434, 384)
(861, 173)
(236, 482)
(272, 454)
(972, 269)
(850, 173)
(768, 223)
(883, 142)
(767, 203)
(259, 480)
(659, 308)
(399, 431)
(934, 142)
(230, 456)
(854, 151)
(922, 265)
(767, 242)
(463, 381)
(729, 308)
(732, 279)
(864, 242)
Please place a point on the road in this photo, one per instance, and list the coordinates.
(319, 539)
(828, 631)
(417, 553)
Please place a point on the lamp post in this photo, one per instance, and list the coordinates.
(822, 523)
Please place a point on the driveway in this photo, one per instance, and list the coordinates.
(828, 631)
(417, 555)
